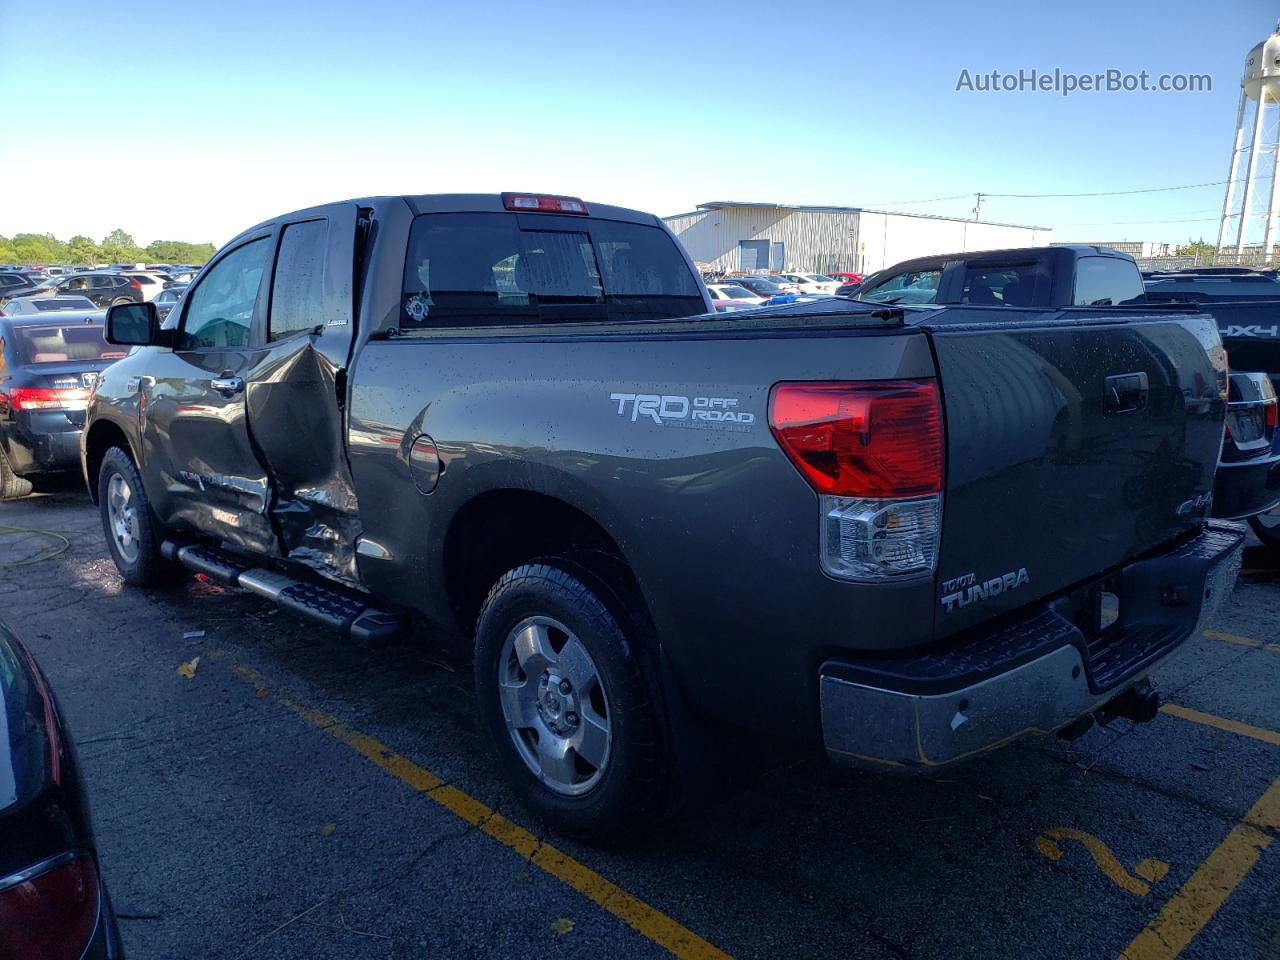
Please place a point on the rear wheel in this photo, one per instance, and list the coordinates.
(119, 300)
(132, 530)
(568, 703)
(1267, 528)
(12, 486)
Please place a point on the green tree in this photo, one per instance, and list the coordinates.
(119, 247)
(177, 251)
(38, 248)
(7, 253)
(1197, 248)
(82, 249)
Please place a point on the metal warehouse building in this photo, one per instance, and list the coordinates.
(731, 236)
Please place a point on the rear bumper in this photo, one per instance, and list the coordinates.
(44, 441)
(1039, 672)
(43, 452)
(1246, 488)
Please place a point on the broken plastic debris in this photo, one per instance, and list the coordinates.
(328, 828)
(193, 635)
(188, 669)
(563, 926)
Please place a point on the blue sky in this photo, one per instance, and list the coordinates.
(194, 121)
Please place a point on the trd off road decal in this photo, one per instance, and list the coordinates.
(668, 410)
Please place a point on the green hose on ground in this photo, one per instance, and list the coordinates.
(61, 546)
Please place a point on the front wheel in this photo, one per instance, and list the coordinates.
(568, 703)
(130, 525)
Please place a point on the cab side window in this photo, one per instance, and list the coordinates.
(1107, 282)
(220, 309)
(298, 294)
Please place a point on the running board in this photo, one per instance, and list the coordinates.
(350, 618)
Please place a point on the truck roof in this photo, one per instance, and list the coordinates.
(459, 203)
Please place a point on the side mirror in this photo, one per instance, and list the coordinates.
(133, 325)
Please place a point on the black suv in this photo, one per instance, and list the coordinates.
(104, 289)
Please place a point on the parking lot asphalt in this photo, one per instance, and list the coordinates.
(260, 790)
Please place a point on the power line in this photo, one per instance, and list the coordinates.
(1110, 193)
(1049, 196)
(903, 203)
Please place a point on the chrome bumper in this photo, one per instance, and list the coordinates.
(1047, 684)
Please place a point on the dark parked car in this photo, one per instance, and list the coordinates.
(23, 306)
(48, 365)
(53, 904)
(168, 298)
(12, 281)
(761, 286)
(1246, 305)
(104, 289)
(19, 285)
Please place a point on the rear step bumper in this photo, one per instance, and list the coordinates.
(1037, 674)
(346, 615)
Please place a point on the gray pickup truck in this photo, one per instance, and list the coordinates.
(906, 533)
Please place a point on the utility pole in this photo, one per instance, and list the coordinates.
(977, 207)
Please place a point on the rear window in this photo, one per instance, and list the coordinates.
(62, 303)
(467, 269)
(41, 343)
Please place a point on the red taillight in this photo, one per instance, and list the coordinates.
(1272, 412)
(48, 398)
(874, 439)
(135, 283)
(543, 203)
(52, 915)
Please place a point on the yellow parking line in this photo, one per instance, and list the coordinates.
(1222, 723)
(1237, 640)
(1193, 906)
(634, 912)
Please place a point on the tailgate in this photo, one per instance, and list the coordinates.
(1073, 445)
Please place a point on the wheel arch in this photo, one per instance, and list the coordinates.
(102, 435)
(501, 528)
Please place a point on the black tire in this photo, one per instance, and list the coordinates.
(119, 300)
(1267, 529)
(12, 486)
(145, 567)
(628, 794)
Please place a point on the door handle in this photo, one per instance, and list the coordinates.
(227, 386)
(1127, 392)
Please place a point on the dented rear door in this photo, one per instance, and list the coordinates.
(296, 392)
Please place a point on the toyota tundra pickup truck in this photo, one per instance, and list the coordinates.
(906, 534)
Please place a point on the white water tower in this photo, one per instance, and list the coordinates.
(1255, 161)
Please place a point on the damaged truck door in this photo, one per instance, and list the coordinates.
(296, 391)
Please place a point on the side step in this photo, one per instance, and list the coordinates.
(348, 616)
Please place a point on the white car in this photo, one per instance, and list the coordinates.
(731, 291)
(815, 283)
(151, 283)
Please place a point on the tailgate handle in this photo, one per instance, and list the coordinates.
(1126, 392)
